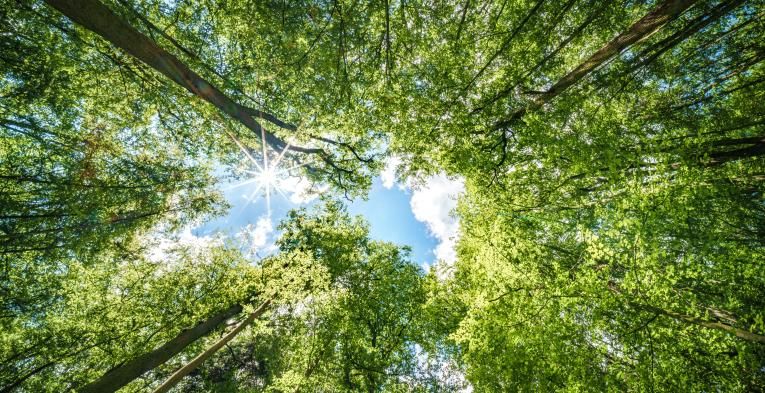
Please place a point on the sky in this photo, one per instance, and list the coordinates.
(397, 211)
(415, 216)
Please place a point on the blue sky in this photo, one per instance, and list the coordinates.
(419, 217)
(391, 218)
(387, 209)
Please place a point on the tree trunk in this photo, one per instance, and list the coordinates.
(738, 332)
(697, 24)
(716, 325)
(125, 373)
(754, 147)
(193, 364)
(639, 31)
(97, 17)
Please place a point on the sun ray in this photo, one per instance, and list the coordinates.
(268, 200)
(245, 151)
(279, 190)
(244, 183)
(263, 143)
(266, 173)
(249, 199)
(254, 193)
(281, 155)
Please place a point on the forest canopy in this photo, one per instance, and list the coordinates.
(612, 224)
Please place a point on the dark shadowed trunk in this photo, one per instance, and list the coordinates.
(97, 17)
(194, 363)
(134, 368)
(747, 147)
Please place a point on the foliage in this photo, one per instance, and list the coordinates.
(612, 227)
(355, 334)
(106, 311)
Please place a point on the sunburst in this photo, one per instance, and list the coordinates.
(267, 176)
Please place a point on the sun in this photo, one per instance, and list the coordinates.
(267, 176)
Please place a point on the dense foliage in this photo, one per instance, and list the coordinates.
(612, 226)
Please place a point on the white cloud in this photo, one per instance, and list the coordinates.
(161, 244)
(388, 174)
(300, 189)
(258, 237)
(262, 229)
(432, 203)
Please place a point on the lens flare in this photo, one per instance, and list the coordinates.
(266, 177)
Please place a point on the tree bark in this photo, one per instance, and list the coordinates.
(639, 31)
(716, 325)
(194, 363)
(738, 332)
(97, 17)
(125, 373)
(697, 24)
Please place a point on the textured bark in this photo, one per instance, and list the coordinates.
(738, 332)
(97, 17)
(697, 24)
(639, 31)
(194, 363)
(125, 373)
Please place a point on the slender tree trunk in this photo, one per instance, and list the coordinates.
(716, 325)
(697, 24)
(509, 89)
(22, 379)
(738, 332)
(125, 373)
(12, 387)
(640, 30)
(97, 17)
(754, 146)
(194, 363)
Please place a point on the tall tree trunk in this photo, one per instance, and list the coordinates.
(748, 147)
(22, 379)
(509, 89)
(194, 363)
(125, 373)
(640, 30)
(697, 24)
(97, 17)
(738, 332)
(716, 325)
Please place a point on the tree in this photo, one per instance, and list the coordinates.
(641, 175)
(80, 163)
(110, 312)
(547, 290)
(132, 369)
(611, 227)
(189, 367)
(84, 171)
(100, 19)
(355, 333)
